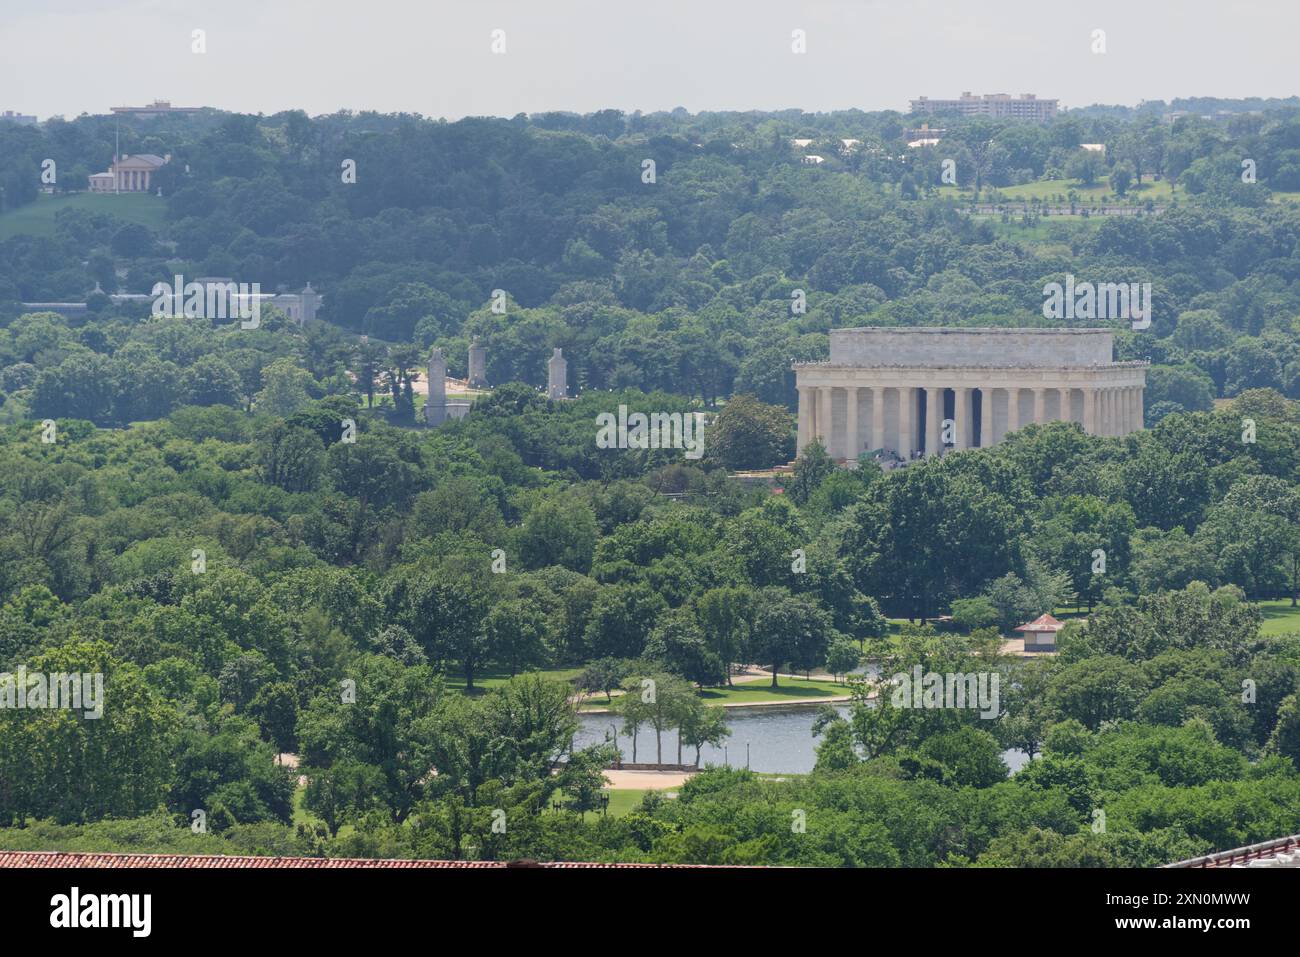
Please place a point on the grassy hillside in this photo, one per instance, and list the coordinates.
(37, 218)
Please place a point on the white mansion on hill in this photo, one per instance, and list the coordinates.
(916, 390)
(128, 174)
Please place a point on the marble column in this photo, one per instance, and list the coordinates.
(986, 417)
(824, 418)
(964, 413)
(1063, 405)
(1108, 412)
(1138, 417)
(1090, 410)
(1040, 405)
(878, 417)
(906, 421)
(805, 418)
(933, 420)
(1013, 411)
(852, 444)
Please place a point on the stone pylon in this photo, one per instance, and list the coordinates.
(557, 376)
(435, 407)
(477, 365)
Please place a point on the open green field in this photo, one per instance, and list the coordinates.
(624, 801)
(1279, 617)
(749, 692)
(1049, 236)
(456, 681)
(759, 692)
(37, 219)
(1059, 190)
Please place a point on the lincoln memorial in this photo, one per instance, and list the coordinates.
(892, 388)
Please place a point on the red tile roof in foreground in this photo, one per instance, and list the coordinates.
(1284, 852)
(217, 861)
(1043, 623)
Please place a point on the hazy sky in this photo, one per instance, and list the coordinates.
(434, 56)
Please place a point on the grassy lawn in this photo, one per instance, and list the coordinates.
(749, 692)
(303, 816)
(1058, 190)
(456, 681)
(624, 801)
(755, 692)
(37, 219)
(1279, 617)
(1049, 236)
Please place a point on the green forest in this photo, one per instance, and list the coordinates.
(417, 613)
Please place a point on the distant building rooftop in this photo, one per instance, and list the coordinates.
(156, 108)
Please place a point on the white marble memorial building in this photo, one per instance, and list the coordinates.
(892, 389)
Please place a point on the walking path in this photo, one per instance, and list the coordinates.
(647, 780)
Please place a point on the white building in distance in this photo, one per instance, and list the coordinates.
(919, 390)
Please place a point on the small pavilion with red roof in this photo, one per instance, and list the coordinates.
(1040, 634)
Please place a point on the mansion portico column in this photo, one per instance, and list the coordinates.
(964, 413)
(852, 444)
(877, 417)
(906, 421)
(933, 420)
(824, 417)
(1013, 411)
(805, 418)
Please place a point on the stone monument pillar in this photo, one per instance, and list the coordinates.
(435, 407)
(477, 365)
(557, 376)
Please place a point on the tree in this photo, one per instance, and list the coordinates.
(842, 657)
(811, 468)
(1085, 166)
(285, 388)
(290, 458)
(559, 531)
(378, 719)
(1121, 178)
(514, 631)
(678, 644)
(788, 628)
(724, 615)
(1285, 739)
(275, 706)
(702, 724)
(210, 381)
(342, 793)
(603, 674)
(749, 434)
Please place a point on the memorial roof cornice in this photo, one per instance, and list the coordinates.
(828, 365)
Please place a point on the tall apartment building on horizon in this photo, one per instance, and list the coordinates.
(1000, 105)
(156, 108)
